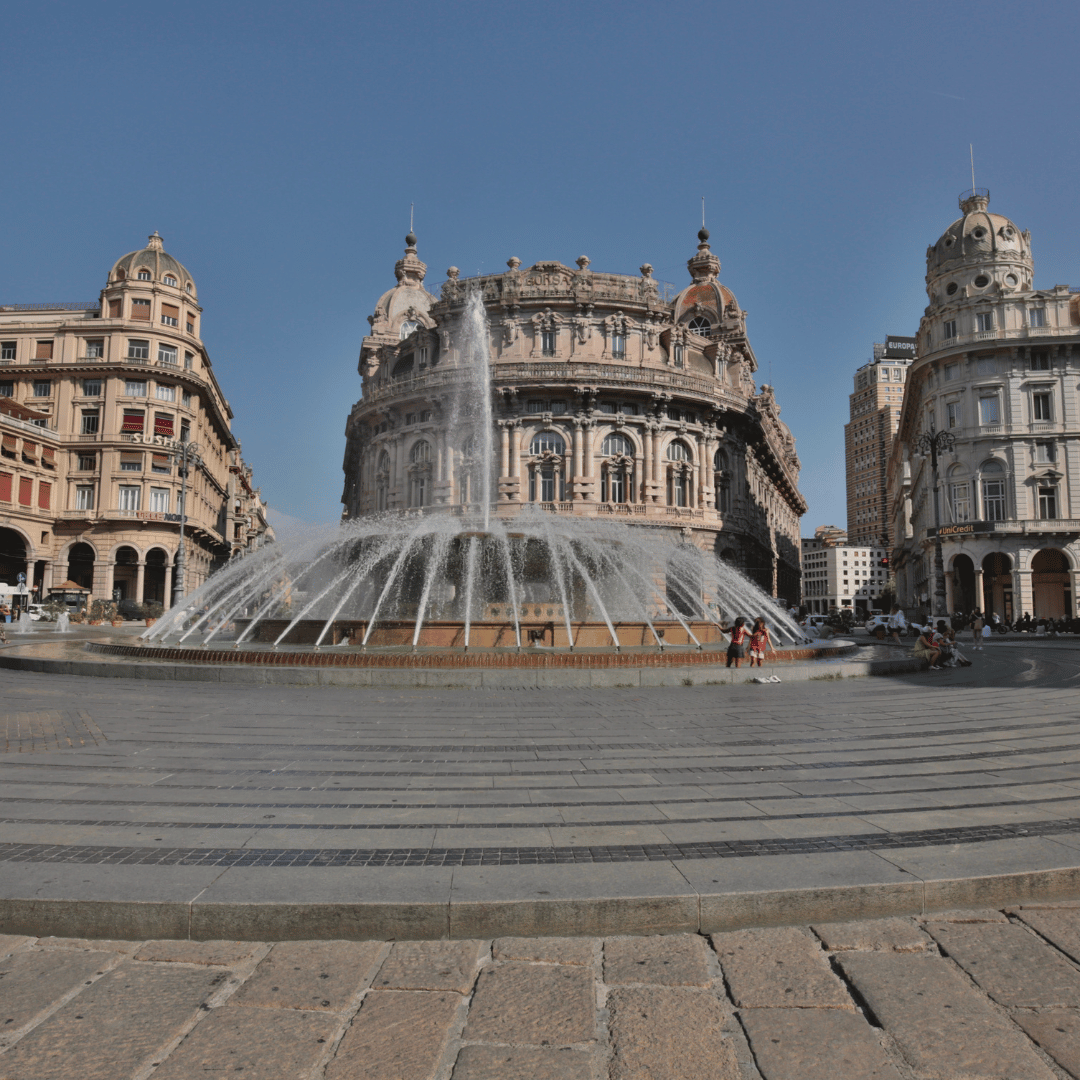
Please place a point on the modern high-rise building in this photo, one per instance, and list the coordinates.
(868, 436)
(997, 374)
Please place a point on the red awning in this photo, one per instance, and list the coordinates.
(133, 421)
(163, 426)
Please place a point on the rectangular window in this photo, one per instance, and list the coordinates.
(190, 323)
(189, 360)
(994, 500)
(1041, 406)
(558, 407)
(130, 462)
(90, 421)
(43, 350)
(129, 497)
(7, 350)
(87, 462)
(986, 365)
(984, 322)
(988, 410)
(1037, 316)
(7, 389)
(949, 329)
(1040, 360)
(5, 486)
(26, 491)
(170, 314)
(608, 407)
(160, 463)
(84, 496)
(547, 342)
(961, 502)
(410, 418)
(185, 430)
(1048, 503)
(159, 500)
(114, 309)
(44, 496)
(952, 414)
(535, 406)
(166, 355)
(95, 348)
(140, 309)
(165, 393)
(91, 387)
(138, 349)
(42, 388)
(134, 388)
(1045, 451)
(677, 356)
(618, 352)
(950, 372)
(133, 421)
(163, 424)
(185, 400)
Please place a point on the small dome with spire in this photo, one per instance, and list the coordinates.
(706, 302)
(153, 264)
(407, 304)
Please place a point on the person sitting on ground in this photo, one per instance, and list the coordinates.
(760, 640)
(925, 647)
(944, 640)
(897, 623)
(737, 649)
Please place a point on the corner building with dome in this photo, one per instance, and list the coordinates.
(998, 367)
(610, 399)
(94, 398)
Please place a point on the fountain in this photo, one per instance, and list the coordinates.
(460, 578)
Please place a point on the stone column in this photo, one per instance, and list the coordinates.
(515, 462)
(587, 464)
(168, 586)
(504, 435)
(1074, 580)
(140, 579)
(979, 602)
(393, 486)
(576, 478)
(659, 494)
(639, 474)
(1023, 597)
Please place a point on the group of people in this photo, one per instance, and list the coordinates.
(758, 638)
(938, 644)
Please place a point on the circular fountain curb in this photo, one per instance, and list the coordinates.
(328, 669)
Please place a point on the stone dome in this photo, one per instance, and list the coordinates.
(408, 301)
(154, 258)
(706, 297)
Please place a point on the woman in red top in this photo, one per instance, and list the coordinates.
(737, 649)
(760, 640)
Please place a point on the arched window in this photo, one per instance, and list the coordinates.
(188, 286)
(700, 325)
(421, 452)
(170, 280)
(993, 490)
(617, 443)
(407, 328)
(144, 275)
(720, 461)
(678, 451)
(548, 442)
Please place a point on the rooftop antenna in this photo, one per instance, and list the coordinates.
(971, 152)
(703, 211)
(411, 215)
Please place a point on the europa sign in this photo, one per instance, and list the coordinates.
(899, 348)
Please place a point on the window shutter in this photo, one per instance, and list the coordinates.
(44, 495)
(26, 491)
(43, 351)
(170, 310)
(161, 460)
(140, 309)
(10, 443)
(114, 309)
(163, 425)
(5, 486)
(29, 450)
(133, 421)
(49, 455)
(129, 458)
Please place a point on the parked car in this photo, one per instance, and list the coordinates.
(878, 626)
(129, 609)
(37, 612)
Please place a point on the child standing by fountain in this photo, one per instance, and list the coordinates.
(737, 649)
(760, 640)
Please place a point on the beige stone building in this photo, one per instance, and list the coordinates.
(611, 398)
(868, 437)
(998, 367)
(95, 400)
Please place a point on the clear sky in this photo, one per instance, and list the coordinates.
(277, 147)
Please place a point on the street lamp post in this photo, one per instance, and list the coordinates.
(185, 454)
(933, 443)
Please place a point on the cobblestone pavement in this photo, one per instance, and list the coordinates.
(978, 995)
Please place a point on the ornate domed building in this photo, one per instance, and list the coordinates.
(997, 369)
(610, 399)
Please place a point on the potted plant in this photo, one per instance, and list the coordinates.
(152, 611)
(77, 617)
(100, 610)
(54, 609)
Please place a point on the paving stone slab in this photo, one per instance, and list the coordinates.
(311, 974)
(778, 968)
(672, 960)
(262, 1043)
(1061, 926)
(790, 1044)
(552, 950)
(942, 1026)
(10, 942)
(1057, 1032)
(895, 935)
(397, 1033)
(1014, 966)
(976, 915)
(431, 965)
(669, 1032)
(210, 953)
(114, 1026)
(533, 1004)
(524, 1063)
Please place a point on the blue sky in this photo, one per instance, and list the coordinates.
(277, 147)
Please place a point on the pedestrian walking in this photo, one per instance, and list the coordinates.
(977, 625)
(737, 649)
(897, 623)
(760, 640)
